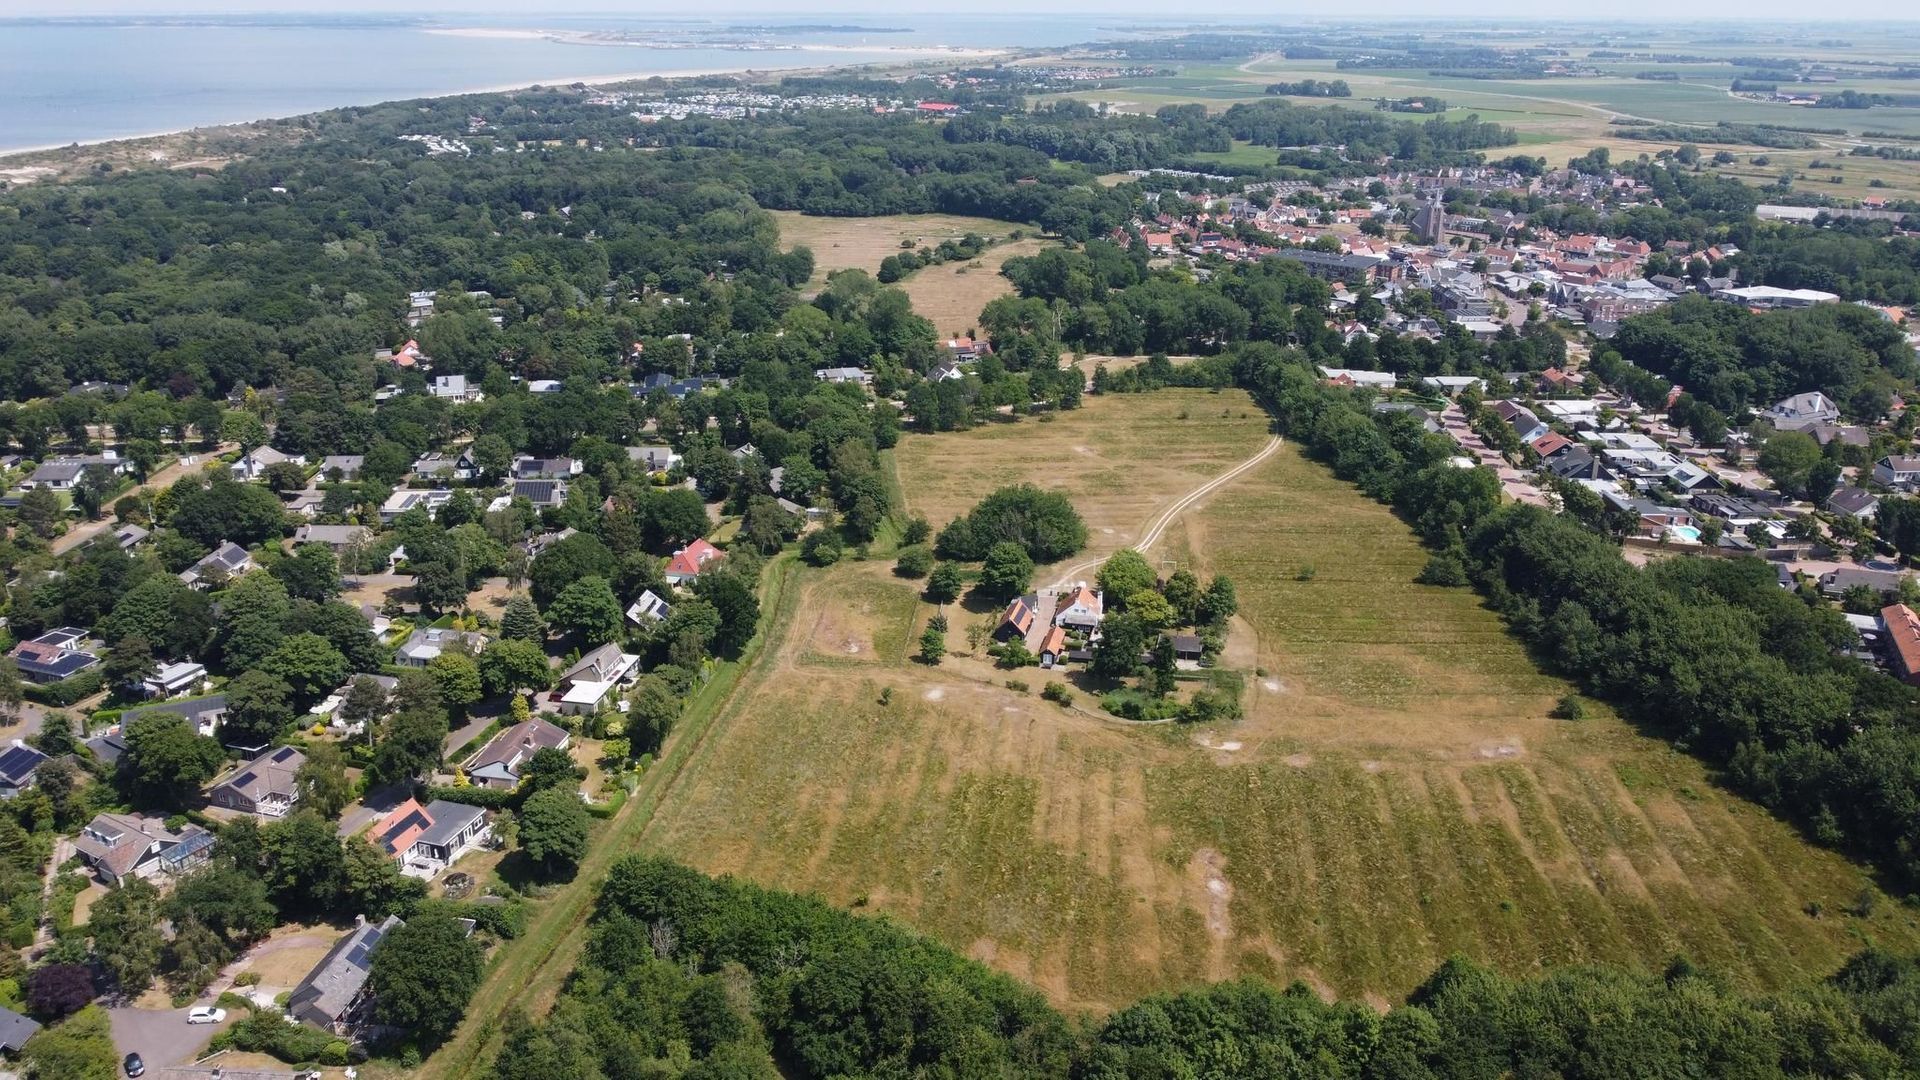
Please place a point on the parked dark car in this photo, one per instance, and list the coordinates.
(134, 1066)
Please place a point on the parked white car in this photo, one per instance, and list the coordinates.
(206, 1014)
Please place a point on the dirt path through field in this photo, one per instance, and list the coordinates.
(1173, 511)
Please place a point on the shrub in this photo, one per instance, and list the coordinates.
(914, 562)
(822, 548)
(1444, 568)
(1018, 686)
(1057, 693)
(1568, 708)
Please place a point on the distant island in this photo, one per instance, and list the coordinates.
(823, 28)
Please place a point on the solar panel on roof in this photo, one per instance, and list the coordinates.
(19, 759)
(244, 779)
(284, 753)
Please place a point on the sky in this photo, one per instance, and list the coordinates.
(1613, 10)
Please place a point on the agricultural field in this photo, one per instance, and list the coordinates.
(847, 243)
(1395, 794)
(952, 294)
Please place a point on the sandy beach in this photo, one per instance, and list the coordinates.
(800, 58)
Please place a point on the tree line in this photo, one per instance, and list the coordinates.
(685, 975)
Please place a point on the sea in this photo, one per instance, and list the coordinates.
(80, 79)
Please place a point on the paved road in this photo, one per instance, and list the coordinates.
(1172, 513)
(161, 1037)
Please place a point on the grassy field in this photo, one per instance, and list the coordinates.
(1120, 458)
(1395, 794)
(952, 294)
(847, 243)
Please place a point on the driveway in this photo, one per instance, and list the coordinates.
(161, 1037)
(373, 806)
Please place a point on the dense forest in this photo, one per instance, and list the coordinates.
(688, 976)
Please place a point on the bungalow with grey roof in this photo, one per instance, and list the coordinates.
(342, 467)
(254, 464)
(221, 565)
(1854, 502)
(426, 643)
(267, 786)
(1899, 471)
(498, 764)
(333, 996)
(337, 537)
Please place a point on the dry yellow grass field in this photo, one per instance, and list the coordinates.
(1120, 459)
(952, 294)
(1395, 794)
(850, 243)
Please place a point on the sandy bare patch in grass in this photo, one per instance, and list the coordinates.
(861, 613)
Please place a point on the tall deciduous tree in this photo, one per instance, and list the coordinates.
(423, 975)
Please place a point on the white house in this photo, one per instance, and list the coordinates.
(1373, 380)
(1898, 471)
(649, 609)
(1081, 609)
(454, 388)
(254, 463)
(407, 498)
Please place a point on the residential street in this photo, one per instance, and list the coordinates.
(161, 478)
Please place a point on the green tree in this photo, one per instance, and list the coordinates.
(914, 562)
(821, 548)
(305, 868)
(128, 663)
(1151, 608)
(652, 710)
(423, 974)
(309, 665)
(933, 646)
(39, 512)
(733, 600)
(587, 608)
(366, 701)
(944, 583)
(1822, 477)
(553, 831)
(1125, 573)
(1183, 593)
(458, 676)
(409, 747)
(374, 885)
(322, 780)
(1007, 571)
(259, 708)
(1123, 637)
(511, 664)
(310, 573)
(549, 767)
(521, 620)
(1219, 603)
(125, 924)
(227, 900)
(1787, 457)
(81, 1048)
(166, 761)
(244, 428)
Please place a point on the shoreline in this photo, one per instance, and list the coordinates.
(907, 54)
